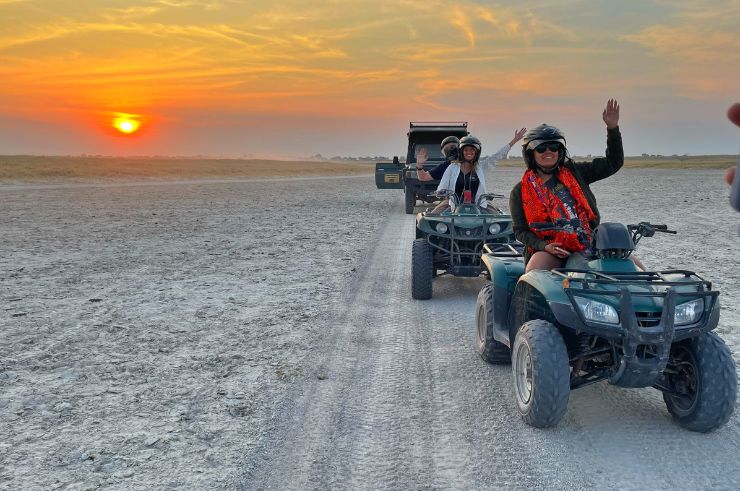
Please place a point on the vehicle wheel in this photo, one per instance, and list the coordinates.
(410, 201)
(706, 381)
(421, 270)
(488, 348)
(541, 374)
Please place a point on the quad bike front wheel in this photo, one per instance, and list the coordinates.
(422, 270)
(487, 347)
(703, 381)
(541, 373)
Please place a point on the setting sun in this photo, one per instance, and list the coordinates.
(126, 123)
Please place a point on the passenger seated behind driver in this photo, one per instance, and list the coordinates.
(463, 176)
(555, 187)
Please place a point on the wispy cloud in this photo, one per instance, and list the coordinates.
(134, 12)
(360, 57)
(699, 46)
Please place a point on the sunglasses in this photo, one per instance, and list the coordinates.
(551, 146)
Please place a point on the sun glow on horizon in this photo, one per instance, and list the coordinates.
(126, 123)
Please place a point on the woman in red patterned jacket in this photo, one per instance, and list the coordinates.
(555, 187)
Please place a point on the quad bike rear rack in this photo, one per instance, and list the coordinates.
(506, 250)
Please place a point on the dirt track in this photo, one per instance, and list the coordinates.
(201, 335)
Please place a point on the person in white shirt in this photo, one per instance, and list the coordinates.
(447, 143)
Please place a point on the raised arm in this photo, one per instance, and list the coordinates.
(611, 114)
(501, 154)
(421, 157)
(603, 167)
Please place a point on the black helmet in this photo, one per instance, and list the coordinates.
(470, 141)
(449, 139)
(541, 134)
(450, 154)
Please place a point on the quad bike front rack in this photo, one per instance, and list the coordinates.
(646, 339)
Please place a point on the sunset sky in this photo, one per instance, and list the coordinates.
(300, 77)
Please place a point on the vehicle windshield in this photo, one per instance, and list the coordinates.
(433, 150)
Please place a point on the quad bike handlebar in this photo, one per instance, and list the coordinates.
(574, 226)
(488, 197)
(571, 226)
(647, 229)
(493, 195)
(448, 193)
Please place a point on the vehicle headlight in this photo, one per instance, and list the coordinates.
(689, 312)
(494, 228)
(597, 311)
(441, 228)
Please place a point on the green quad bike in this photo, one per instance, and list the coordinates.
(453, 242)
(570, 327)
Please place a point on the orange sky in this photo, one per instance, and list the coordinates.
(295, 77)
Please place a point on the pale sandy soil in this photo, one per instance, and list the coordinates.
(210, 334)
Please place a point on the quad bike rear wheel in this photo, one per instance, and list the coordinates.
(702, 376)
(541, 373)
(487, 347)
(410, 201)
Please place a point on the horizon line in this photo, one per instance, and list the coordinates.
(288, 158)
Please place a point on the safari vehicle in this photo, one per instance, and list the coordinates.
(570, 327)
(395, 175)
(452, 242)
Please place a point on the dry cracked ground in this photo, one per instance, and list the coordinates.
(260, 334)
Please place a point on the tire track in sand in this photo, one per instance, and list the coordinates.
(357, 427)
(395, 408)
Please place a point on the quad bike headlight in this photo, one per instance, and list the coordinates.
(689, 312)
(494, 228)
(597, 311)
(441, 228)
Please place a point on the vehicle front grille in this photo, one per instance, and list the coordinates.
(469, 232)
(648, 319)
